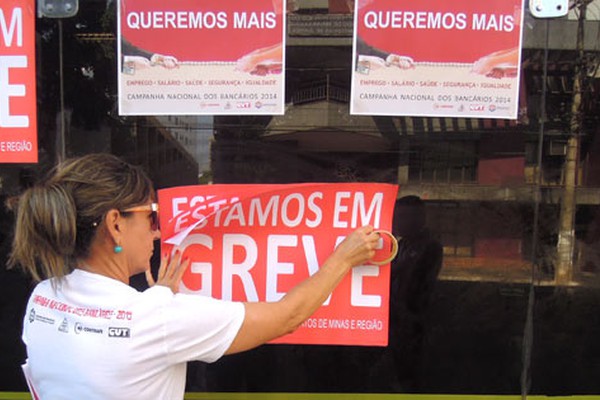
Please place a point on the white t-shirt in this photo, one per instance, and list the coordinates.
(92, 337)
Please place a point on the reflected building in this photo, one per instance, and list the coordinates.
(478, 176)
(194, 133)
(147, 142)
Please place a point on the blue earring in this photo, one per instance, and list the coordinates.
(118, 249)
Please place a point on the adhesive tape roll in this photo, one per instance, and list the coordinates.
(394, 248)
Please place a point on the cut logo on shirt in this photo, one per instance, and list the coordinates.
(116, 332)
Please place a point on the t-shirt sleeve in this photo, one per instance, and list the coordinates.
(199, 328)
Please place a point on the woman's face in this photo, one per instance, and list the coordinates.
(138, 241)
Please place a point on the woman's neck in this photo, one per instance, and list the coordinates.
(104, 263)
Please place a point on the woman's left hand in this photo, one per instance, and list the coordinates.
(170, 272)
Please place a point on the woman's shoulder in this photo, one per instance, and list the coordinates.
(46, 285)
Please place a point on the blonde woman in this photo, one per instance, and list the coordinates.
(83, 232)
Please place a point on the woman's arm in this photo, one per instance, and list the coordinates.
(266, 321)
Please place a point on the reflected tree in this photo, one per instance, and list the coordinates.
(566, 230)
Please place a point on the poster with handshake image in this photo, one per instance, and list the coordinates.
(195, 57)
(437, 58)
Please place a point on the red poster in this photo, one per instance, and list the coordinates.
(18, 122)
(256, 242)
(456, 58)
(201, 57)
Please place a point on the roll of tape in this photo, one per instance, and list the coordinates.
(394, 247)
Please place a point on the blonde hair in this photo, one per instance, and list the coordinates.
(58, 219)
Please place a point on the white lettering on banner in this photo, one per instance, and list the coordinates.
(291, 210)
(358, 206)
(358, 298)
(8, 90)
(242, 270)
(176, 202)
(243, 20)
(217, 217)
(339, 208)
(203, 269)
(344, 324)
(314, 207)
(200, 20)
(274, 268)
(16, 147)
(374, 213)
(181, 217)
(263, 213)
(438, 20)
(7, 31)
(181, 220)
(414, 20)
(215, 206)
(488, 22)
(287, 221)
(177, 20)
(236, 213)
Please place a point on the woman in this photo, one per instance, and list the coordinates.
(89, 335)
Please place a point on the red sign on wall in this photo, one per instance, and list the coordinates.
(207, 57)
(256, 242)
(458, 58)
(18, 123)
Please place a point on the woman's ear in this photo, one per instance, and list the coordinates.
(114, 224)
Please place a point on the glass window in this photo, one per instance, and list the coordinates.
(513, 205)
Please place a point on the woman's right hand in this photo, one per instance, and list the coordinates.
(359, 247)
(170, 272)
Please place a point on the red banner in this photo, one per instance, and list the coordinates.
(201, 56)
(18, 121)
(437, 58)
(256, 242)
